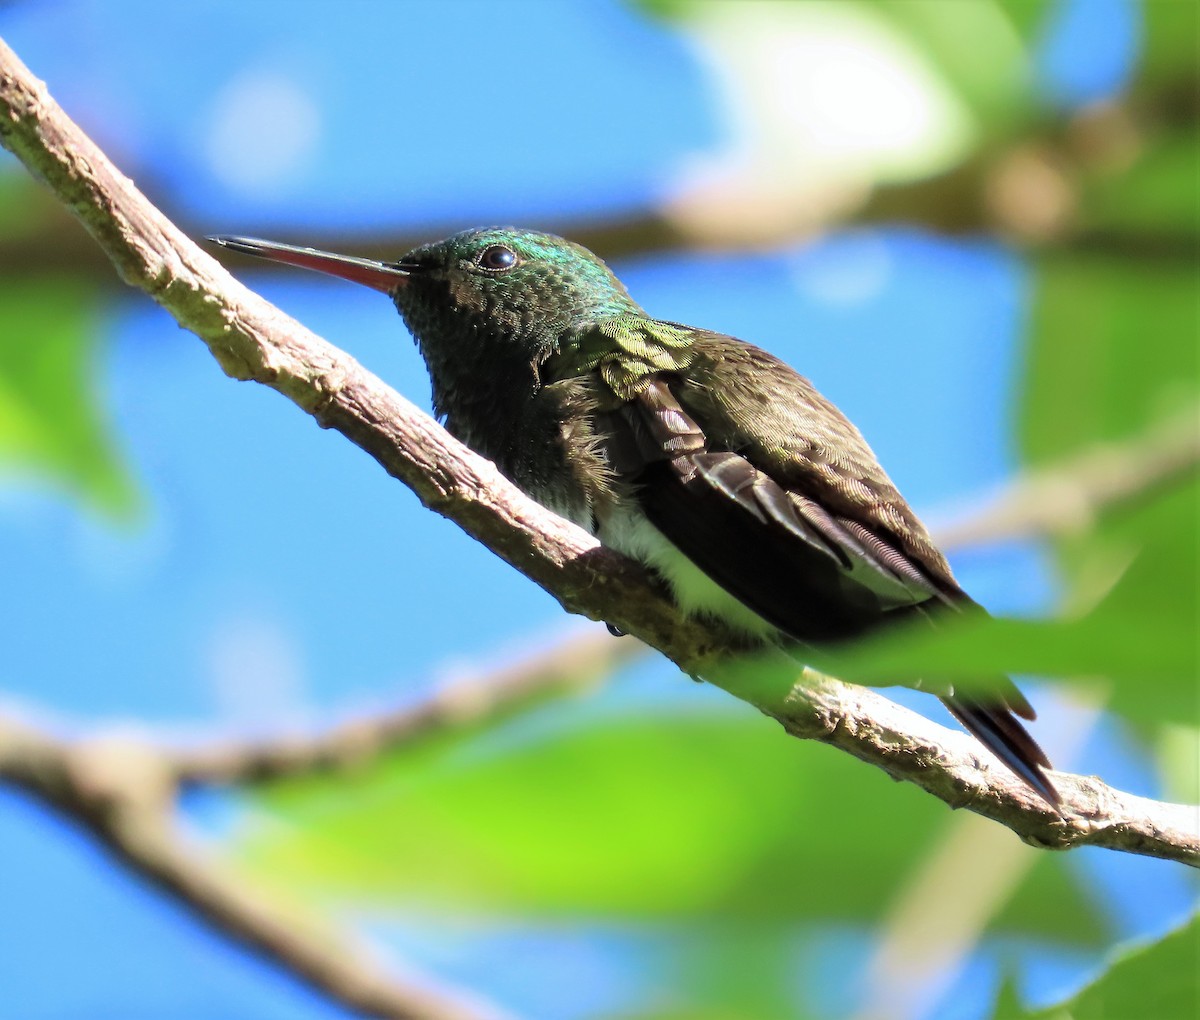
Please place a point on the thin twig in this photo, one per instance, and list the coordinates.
(253, 340)
(572, 664)
(122, 790)
(1067, 496)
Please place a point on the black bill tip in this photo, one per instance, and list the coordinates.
(245, 245)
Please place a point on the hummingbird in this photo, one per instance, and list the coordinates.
(704, 457)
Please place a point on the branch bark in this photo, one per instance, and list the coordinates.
(122, 790)
(254, 341)
(1049, 501)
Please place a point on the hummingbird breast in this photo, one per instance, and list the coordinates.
(627, 529)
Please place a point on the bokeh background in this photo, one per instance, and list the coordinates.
(973, 225)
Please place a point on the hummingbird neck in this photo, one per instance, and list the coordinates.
(486, 417)
(483, 379)
(485, 362)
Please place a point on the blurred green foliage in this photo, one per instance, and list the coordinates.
(1160, 980)
(1168, 57)
(995, 80)
(51, 419)
(666, 816)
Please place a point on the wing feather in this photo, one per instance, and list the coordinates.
(792, 515)
(811, 574)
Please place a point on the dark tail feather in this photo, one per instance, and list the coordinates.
(995, 726)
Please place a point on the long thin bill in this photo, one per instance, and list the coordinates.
(377, 275)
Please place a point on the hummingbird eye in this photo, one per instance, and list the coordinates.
(497, 258)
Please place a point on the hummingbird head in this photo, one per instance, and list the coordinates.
(486, 307)
(514, 288)
(518, 287)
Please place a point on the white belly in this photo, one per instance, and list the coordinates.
(628, 531)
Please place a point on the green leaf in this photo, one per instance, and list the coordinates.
(1141, 635)
(664, 815)
(1169, 49)
(1152, 200)
(1028, 17)
(1008, 1004)
(1113, 350)
(978, 49)
(51, 422)
(1178, 752)
(726, 972)
(20, 204)
(1159, 980)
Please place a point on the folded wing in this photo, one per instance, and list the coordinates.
(792, 515)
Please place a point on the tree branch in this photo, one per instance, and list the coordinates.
(1028, 187)
(1044, 502)
(1067, 496)
(122, 790)
(955, 768)
(253, 340)
(573, 664)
